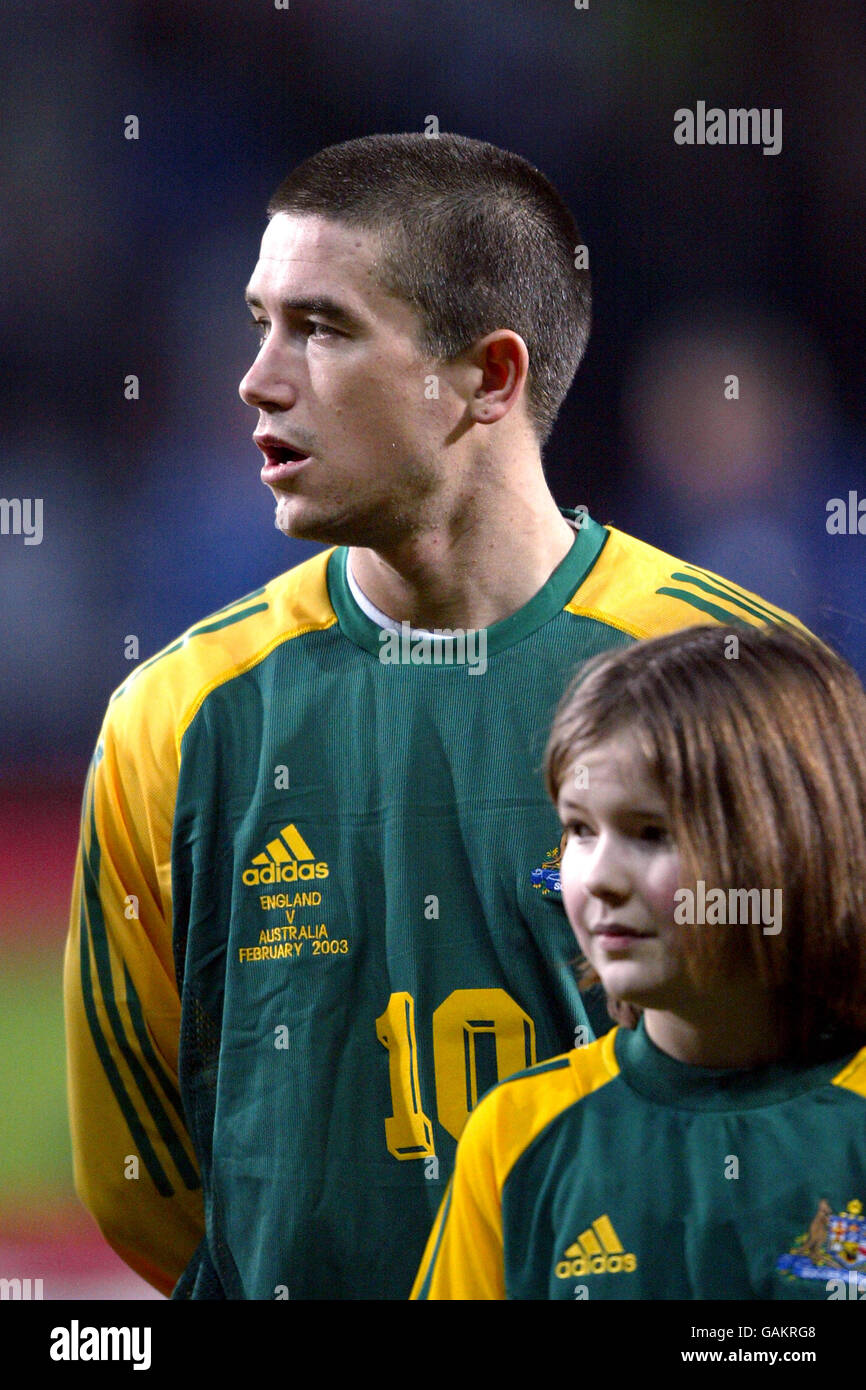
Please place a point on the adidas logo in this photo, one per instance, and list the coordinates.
(597, 1251)
(284, 860)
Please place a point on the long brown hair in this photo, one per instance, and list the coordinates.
(757, 741)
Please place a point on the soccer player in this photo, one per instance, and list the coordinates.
(713, 798)
(316, 910)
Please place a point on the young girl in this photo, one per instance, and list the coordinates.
(712, 790)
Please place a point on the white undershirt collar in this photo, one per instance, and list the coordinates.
(375, 614)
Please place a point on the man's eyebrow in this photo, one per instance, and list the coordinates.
(312, 304)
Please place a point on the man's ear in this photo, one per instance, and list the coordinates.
(502, 359)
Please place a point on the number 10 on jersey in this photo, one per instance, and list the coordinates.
(466, 1016)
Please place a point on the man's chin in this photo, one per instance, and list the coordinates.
(296, 521)
(301, 523)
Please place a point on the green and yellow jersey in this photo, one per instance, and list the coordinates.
(312, 922)
(616, 1172)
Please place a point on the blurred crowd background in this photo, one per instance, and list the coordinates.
(130, 257)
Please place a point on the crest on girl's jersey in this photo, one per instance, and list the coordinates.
(546, 877)
(835, 1240)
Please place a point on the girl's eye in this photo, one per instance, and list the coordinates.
(577, 830)
(655, 835)
(261, 328)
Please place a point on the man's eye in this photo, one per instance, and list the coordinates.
(311, 328)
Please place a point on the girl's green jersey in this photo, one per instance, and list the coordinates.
(616, 1172)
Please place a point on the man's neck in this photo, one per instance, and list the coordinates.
(469, 574)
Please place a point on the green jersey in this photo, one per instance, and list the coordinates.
(616, 1172)
(317, 915)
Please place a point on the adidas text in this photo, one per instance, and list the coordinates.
(595, 1264)
(285, 873)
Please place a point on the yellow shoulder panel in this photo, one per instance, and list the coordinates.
(646, 593)
(464, 1258)
(853, 1077)
(593, 1066)
(222, 646)
(526, 1105)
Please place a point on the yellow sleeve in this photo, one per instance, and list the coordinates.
(133, 1159)
(464, 1258)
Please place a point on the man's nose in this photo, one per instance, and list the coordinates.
(266, 385)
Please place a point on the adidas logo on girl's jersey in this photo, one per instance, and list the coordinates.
(597, 1251)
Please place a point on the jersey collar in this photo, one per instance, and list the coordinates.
(550, 600)
(658, 1077)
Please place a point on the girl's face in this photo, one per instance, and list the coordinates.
(620, 871)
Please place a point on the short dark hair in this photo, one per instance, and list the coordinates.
(474, 239)
(761, 762)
